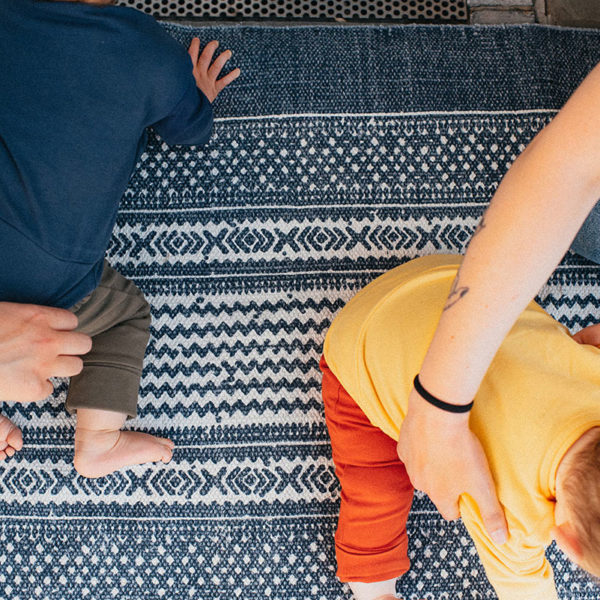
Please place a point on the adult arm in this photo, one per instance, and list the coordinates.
(36, 343)
(532, 219)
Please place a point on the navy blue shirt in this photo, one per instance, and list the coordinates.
(79, 84)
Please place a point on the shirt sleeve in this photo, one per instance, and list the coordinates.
(190, 122)
(518, 569)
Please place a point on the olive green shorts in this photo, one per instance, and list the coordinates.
(117, 317)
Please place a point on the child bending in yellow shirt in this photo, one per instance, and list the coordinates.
(537, 415)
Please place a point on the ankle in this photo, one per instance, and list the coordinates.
(95, 439)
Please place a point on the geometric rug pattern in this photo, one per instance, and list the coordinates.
(339, 153)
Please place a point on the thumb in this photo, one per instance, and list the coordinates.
(491, 510)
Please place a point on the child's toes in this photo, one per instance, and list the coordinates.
(11, 438)
(167, 455)
(15, 439)
(167, 442)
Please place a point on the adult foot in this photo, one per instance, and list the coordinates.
(11, 438)
(98, 453)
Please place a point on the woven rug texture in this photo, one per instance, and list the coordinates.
(341, 152)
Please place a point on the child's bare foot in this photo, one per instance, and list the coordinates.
(98, 453)
(11, 439)
(376, 590)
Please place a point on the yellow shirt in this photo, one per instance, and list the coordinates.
(541, 393)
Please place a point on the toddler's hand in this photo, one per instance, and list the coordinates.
(205, 73)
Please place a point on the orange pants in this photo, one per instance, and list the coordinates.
(371, 542)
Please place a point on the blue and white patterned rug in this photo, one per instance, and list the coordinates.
(340, 153)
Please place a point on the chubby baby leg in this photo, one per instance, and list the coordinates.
(380, 590)
(101, 447)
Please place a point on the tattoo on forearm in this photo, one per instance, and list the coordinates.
(457, 291)
(480, 226)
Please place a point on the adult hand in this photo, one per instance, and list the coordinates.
(205, 73)
(36, 343)
(444, 459)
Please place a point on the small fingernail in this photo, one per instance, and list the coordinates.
(499, 536)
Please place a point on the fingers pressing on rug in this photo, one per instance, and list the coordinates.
(206, 75)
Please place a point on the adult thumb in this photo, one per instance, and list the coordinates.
(492, 513)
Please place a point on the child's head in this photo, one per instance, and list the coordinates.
(577, 516)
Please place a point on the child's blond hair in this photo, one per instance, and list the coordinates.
(582, 495)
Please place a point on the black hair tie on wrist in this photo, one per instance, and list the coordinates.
(453, 408)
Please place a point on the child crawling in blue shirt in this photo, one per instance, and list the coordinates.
(81, 82)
